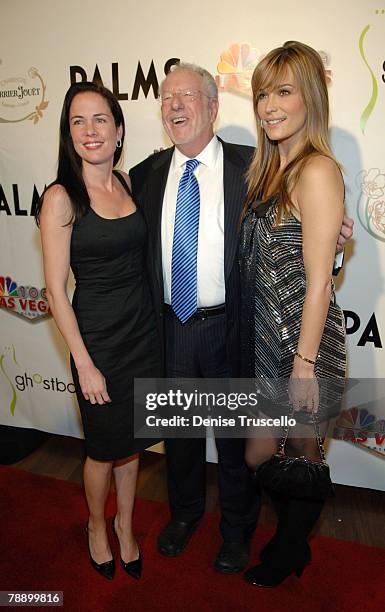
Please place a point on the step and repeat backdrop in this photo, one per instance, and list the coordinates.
(129, 46)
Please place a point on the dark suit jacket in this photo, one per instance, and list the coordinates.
(148, 185)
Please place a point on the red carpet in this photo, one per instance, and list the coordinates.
(43, 547)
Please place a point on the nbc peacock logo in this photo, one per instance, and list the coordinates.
(237, 63)
(359, 426)
(24, 300)
(236, 68)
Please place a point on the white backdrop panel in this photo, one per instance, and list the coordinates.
(40, 43)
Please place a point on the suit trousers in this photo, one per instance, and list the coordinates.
(197, 349)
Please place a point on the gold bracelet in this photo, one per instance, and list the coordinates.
(297, 354)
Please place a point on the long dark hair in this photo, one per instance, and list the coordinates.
(69, 171)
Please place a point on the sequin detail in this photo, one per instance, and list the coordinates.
(273, 292)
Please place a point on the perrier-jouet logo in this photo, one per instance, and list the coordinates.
(22, 97)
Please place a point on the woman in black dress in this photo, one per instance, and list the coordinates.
(89, 221)
(293, 330)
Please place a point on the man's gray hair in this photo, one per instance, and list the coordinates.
(209, 83)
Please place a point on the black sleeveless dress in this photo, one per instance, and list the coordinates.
(114, 312)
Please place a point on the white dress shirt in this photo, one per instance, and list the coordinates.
(210, 260)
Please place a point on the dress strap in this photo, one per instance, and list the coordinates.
(122, 180)
(260, 208)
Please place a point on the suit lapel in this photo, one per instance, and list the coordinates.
(155, 186)
(152, 204)
(234, 195)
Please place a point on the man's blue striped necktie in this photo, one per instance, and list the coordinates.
(185, 245)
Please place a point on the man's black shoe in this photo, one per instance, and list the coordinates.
(233, 557)
(174, 538)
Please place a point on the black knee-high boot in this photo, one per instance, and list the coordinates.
(280, 503)
(288, 551)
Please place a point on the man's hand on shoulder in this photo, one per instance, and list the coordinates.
(346, 233)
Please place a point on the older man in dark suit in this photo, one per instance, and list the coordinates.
(201, 338)
(192, 195)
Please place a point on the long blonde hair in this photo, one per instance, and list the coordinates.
(308, 70)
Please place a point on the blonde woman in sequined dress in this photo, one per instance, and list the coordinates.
(292, 327)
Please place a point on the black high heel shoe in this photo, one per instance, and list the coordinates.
(106, 569)
(132, 568)
(267, 576)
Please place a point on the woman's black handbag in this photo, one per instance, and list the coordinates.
(297, 476)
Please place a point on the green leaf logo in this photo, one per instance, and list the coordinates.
(13, 401)
(369, 108)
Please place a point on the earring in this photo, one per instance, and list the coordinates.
(261, 123)
(119, 143)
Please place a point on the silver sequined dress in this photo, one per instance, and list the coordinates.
(273, 292)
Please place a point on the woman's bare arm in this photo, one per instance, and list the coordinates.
(319, 196)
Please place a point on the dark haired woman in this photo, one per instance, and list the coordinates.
(293, 328)
(89, 221)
